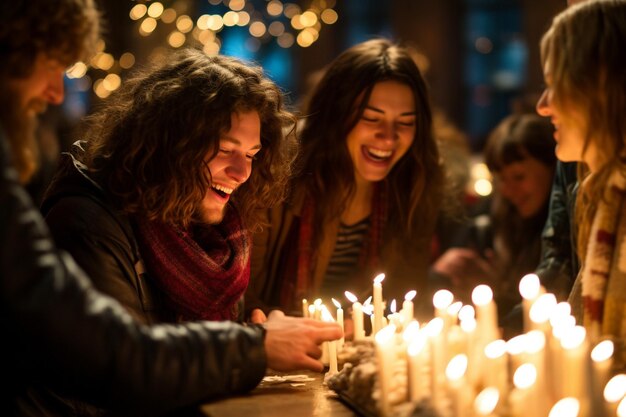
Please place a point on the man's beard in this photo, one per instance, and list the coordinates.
(20, 125)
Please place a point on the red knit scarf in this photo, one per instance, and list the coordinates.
(306, 255)
(203, 272)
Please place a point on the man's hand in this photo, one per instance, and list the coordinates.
(293, 343)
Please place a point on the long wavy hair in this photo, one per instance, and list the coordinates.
(514, 139)
(149, 144)
(337, 103)
(584, 49)
(66, 30)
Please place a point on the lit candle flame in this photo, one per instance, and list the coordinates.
(351, 297)
(368, 309)
(336, 303)
(467, 312)
(368, 301)
(573, 338)
(542, 308)
(561, 313)
(486, 401)
(442, 299)
(379, 278)
(410, 295)
(566, 407)
(495, 349)
(454, 308)
(456, 367)
(411, 331)
(621, 408)
(317, 302)
(482, 295)
(385, 335)
(615, 389)
(529, 286)
(434, 327)
(525, 376)
(468, 325)
(602, 351)
(392, 307)
(516, 345)
(417, 344)
(326, 316)
(535, 341)
(311, 310)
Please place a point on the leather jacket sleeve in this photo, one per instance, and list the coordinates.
(58, 330)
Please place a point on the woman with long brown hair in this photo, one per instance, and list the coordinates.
(368, 187)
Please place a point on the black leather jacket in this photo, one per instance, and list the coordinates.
(59, 332)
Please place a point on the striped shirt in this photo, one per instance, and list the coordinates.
(345, 257)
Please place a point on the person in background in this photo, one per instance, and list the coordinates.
(585, 99)
(59, 333)
(367, 191)
(506, 245)
(156, 203)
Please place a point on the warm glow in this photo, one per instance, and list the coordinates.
(155, 10)
(336, 303)
(168, 15)
(442, 299)
(456, 367)
(483, 187)
(103, 61)
(379, 278)
(99, 89)
(529, 286)
(602, 351)
(276, 28)
(525, 376)
(291, 10)
(147, 26)
(176, 39)
(467, 312)
(311, 310)
(482, 295)
(454, 308)
(206, 36)
(573, 338)
(212, 48)
(138, 11)
(111, 82)
(295, 22)
(351, 297)
(409, 296)
(244, 18)
(231, 18)
(77, 70)
(127, 60)
(184, 24)
(236, 5)
(203, 22)
(215, 22)
(542, 308)
(308, 18)
(615, 389)
(274, 8)
(486, 401)
(566, 407)
(495, 349)
(329, 16)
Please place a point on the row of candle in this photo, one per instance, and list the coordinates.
(458, 363)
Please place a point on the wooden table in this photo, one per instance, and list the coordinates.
(283, 400)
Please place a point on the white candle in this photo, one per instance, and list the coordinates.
(487, 401)
(530, 289)
(378, 303)
(407, 306)
(566, 407)
(385, 352)
(521, 396)
(602, 359)
(497, 364)
(441, 301)
(416, 342)
(575, 378)
(461, 396)
(332, 345)
(339, 321)
(438, 357)
(305, 308)
(486, 313)
(317, 315)
(357, 316)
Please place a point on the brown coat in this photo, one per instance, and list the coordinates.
(405, 265)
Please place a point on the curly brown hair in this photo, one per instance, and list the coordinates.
(66, 30)
(149, 144)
